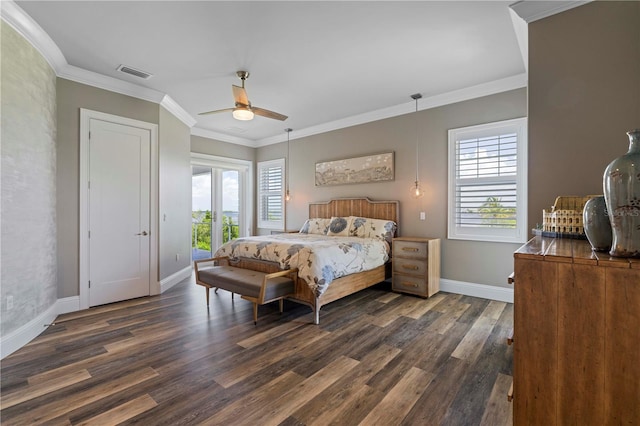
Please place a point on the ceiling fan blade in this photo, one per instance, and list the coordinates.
(216, 111)
(240, 95)
(269, 114)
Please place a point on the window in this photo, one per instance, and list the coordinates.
(271, 194)
(488, 182)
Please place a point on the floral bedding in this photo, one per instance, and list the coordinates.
(319, 258)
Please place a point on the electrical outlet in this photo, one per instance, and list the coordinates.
(9, 303)
(423, 215)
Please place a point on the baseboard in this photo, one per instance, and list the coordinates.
(29, 331)
(175, 278)
(23, 335)
(68, 304)
(484, 291)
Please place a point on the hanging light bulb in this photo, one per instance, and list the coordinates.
(416, 188)
(287, 194)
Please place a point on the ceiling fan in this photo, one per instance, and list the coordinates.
(243, 109)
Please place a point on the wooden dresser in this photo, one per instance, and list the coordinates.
(576, 335)
(416, 265)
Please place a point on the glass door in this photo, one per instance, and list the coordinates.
(221, 210)
(230, 205)
(202, 218)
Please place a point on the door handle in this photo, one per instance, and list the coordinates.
(142, 233)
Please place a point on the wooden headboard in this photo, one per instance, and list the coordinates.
(363, 207)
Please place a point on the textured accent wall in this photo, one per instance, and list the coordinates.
(28, 179)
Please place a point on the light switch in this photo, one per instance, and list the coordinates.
(423, 215)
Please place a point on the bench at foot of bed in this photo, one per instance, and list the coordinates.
(254, 286)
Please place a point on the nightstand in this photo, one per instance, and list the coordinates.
(416, 265)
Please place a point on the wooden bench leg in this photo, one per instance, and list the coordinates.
(207, 291)
(255, 313)
(281, 301)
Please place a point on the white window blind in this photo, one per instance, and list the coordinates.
(487, 182)
(271, 194)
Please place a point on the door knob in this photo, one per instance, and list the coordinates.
(142, 233)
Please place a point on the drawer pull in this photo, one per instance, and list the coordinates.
(410, 249)
(412, 267)
(409, 284)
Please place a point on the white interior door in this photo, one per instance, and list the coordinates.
(119, 225)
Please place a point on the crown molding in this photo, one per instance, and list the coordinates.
(174, 108)
(532, 11)
(19, 20)
(521, 30)
(472, 92)
(101, 81)
(211, 134)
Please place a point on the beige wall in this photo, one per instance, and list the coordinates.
(584, 94)
(174, 198)
(72, 96)
(28, 228)
(202, 145)
(475, 262)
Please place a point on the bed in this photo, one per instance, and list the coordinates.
(316, 295)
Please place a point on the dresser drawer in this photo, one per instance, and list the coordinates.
(409, 284)
(410, 249)
(409, 266)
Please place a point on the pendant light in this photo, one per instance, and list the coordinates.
(287, 195)
(416, 189)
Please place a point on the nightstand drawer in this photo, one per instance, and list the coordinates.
(409, 266)
(409, 284)
(410, 249)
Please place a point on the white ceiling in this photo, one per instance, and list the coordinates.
(317, 62)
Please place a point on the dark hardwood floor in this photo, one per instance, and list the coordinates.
(376, 358)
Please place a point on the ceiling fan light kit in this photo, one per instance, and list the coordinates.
(243, 109)
(243, 114)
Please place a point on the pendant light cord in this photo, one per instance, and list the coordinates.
(417, 149)
(287, 165)
(415, 97)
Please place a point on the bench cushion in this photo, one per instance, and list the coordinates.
(245, 281)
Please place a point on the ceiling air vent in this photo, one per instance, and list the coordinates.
(128, 70)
